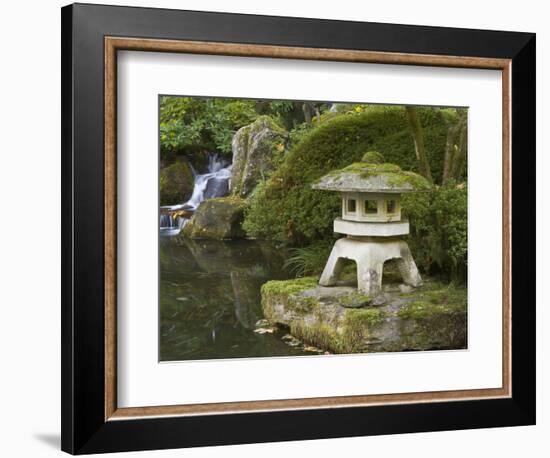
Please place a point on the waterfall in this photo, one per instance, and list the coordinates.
(213, 183)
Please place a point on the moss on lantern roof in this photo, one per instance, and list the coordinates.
(372, 175)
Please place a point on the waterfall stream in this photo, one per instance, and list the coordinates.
(213, 183)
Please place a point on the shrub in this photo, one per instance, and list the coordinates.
(285, 208)
(193, 125)
(439, 229)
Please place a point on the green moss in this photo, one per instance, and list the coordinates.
(235, 201)
(286, 293)
(288, 287)
(446, 300)
(364, 317)
(392, 173)
(320, 335)
(373, 157)
(420, 309)
(354, 299)
(368, 169)
(303, 304)
(358, 323)
(418, 182)
(452, 297)
(351, 339)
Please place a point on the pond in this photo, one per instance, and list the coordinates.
(210, 300)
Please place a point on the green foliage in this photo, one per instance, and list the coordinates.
(291, 114)
(285, 207)
(299, 132)
(308, 260)
(398, 147)
(439, 229)
(191, 125)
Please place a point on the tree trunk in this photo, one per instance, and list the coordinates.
(307, 112)
(461, 151)
(420, 149)
(456, 147)
(450, 147)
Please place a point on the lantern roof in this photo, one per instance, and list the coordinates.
(372, 175)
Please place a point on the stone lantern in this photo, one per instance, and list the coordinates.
(371, 220)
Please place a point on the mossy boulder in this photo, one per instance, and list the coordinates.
(430, 318)
(257, 150)
(219, 218)
(176, 183)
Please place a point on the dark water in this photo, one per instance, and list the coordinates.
(210, 299)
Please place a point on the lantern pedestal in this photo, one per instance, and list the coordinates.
(370, 254)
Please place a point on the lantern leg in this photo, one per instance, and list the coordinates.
(333, 268)
(369, 273)
(370, 257)
(407, 267)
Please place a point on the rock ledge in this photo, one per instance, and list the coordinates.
(339, 320)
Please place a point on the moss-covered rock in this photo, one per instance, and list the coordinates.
(257, 149)
(286, 208)
(176, 183)
(432, 317)
(218, 218)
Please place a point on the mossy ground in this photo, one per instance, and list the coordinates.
(437, 298)
(296, 285)
(355, 299)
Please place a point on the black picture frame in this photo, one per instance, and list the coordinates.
(84, 428)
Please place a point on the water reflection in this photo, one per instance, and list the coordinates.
(210, 299)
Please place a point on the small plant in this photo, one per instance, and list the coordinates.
(309, 260)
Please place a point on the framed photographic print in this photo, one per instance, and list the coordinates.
(281, 228)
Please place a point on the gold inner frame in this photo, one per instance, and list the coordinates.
(114, 44)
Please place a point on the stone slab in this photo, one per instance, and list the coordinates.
(368, 229)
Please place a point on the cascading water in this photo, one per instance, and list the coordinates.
(213, 183)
